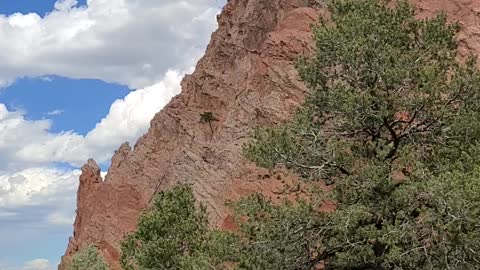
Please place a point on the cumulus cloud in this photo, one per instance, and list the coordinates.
(36, 200)
(144, 44)
(64, 5)
(130, 117)
(26, 143)
(130, 42)
(36, 186)
(55, 112)
(38, 264)
(34, 194)
(36, 206)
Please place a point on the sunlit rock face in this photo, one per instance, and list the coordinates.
(246, 78)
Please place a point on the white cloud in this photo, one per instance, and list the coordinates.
(130, 117)
(38, 264)
(60, 219)
(46, 79)
(26, 143)
(130, 42)
(55, 112)
(36, 186)
(37, 207)
(138, 43)
(35, 196)
(65, 5)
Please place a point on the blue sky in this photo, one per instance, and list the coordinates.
(26, 6)
(78, 79)
(72, 104)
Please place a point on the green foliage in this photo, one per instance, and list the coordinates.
(381, 81)
(392, 120)
(88, 259)
(275, 237)
(174, 235)
(208, 117)
(422, 225)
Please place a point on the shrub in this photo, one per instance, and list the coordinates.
(88, 259)
(174, 234)
(392, 120)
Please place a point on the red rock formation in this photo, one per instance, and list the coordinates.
(466, 12)
(246, 78)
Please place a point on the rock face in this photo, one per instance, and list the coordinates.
(246, 78)
(465, 12)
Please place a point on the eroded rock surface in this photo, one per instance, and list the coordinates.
(246, 78)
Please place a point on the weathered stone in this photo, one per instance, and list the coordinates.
(246, 78)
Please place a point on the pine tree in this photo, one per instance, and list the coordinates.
(392, 121)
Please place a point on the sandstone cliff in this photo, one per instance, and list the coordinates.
(246, 78)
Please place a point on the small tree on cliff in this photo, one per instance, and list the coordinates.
(88, 259)
(208, 117)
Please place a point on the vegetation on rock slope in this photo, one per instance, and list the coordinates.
(391, 121)
(88, 259)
